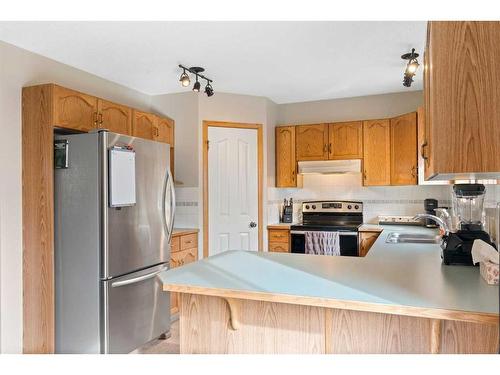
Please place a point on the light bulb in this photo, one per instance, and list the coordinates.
(185, 81)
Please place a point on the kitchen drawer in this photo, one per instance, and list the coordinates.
(279, 247)
(176, 244)
(183, 257)
(189, 241)
(279, 236)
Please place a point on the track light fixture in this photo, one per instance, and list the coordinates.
(209, 90)
(196, 86)
(196, 70)
(411, 67)
(185, 81)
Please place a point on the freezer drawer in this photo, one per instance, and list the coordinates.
(136, 310)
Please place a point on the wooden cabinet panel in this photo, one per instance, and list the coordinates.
(276, 235)
(279, 247)
(286, 163)
(376, 152)
(462, 92)
(165, 131)
(144, 125)
(176, 244)
(404, 149)
(312, 142)
(346, 140)
(177, 259)
(365, 242)
(189, 241)
(74, 110)
(183, 257)
(115, 117)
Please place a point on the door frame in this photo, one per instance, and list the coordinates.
(260, 176)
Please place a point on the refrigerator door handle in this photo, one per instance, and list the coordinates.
(171, 205)
(137, 279)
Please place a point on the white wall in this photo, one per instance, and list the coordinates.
(20, 68)
(346, 109)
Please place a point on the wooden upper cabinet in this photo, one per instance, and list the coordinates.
(376, 152)
(312, 142)
(74, 110)
(404, 149)
(346, 140)
(114, 117)
(165, 132)
(286, 163)
(144, 125)
(462, 96)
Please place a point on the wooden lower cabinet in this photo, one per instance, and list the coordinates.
(184, 250)
(279, 240)
(365, 241)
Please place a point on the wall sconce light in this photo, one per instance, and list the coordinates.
(196, 70)
(411, 67)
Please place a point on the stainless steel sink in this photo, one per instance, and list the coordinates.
(397, 237)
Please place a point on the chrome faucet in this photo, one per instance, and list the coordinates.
(442, 224)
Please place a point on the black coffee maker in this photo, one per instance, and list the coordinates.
(468, 200)
(430, 206)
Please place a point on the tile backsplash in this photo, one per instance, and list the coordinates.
(377, 200)
(187, 207)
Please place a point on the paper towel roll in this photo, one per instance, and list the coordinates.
(482, 252)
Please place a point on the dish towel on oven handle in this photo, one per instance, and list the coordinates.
(322, 243)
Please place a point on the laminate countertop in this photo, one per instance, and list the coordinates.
(405, 279)
(184, 231)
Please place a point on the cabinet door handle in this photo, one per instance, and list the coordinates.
(325, 147)
(95, 119)
(364, 174)
(330, 148)
(100, 119)
(413, 172)
(422, 150)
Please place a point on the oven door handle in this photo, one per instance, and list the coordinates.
(340, 232)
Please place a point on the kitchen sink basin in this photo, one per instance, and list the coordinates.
(396, 237)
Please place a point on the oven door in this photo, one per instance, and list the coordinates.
(348, 243)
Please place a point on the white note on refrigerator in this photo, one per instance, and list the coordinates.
(121, 177)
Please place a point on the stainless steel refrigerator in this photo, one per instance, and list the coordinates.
(114, 211)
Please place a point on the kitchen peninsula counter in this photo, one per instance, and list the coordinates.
(397, 299)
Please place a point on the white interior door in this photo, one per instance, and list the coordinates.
(232, 189)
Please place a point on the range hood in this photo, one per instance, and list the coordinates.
(330, 166)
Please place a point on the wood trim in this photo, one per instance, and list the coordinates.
(260, 169)
(421, 312)
(38, 220)
(436, 328)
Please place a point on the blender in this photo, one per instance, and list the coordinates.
(468, 200)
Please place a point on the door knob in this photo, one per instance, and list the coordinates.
(253, 224)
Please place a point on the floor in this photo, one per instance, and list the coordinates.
(168, 346)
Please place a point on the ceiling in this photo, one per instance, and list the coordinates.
(284, 61)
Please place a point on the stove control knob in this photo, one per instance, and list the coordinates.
(349, 207)
(313, 206)
(307, 206)
(356, 207)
